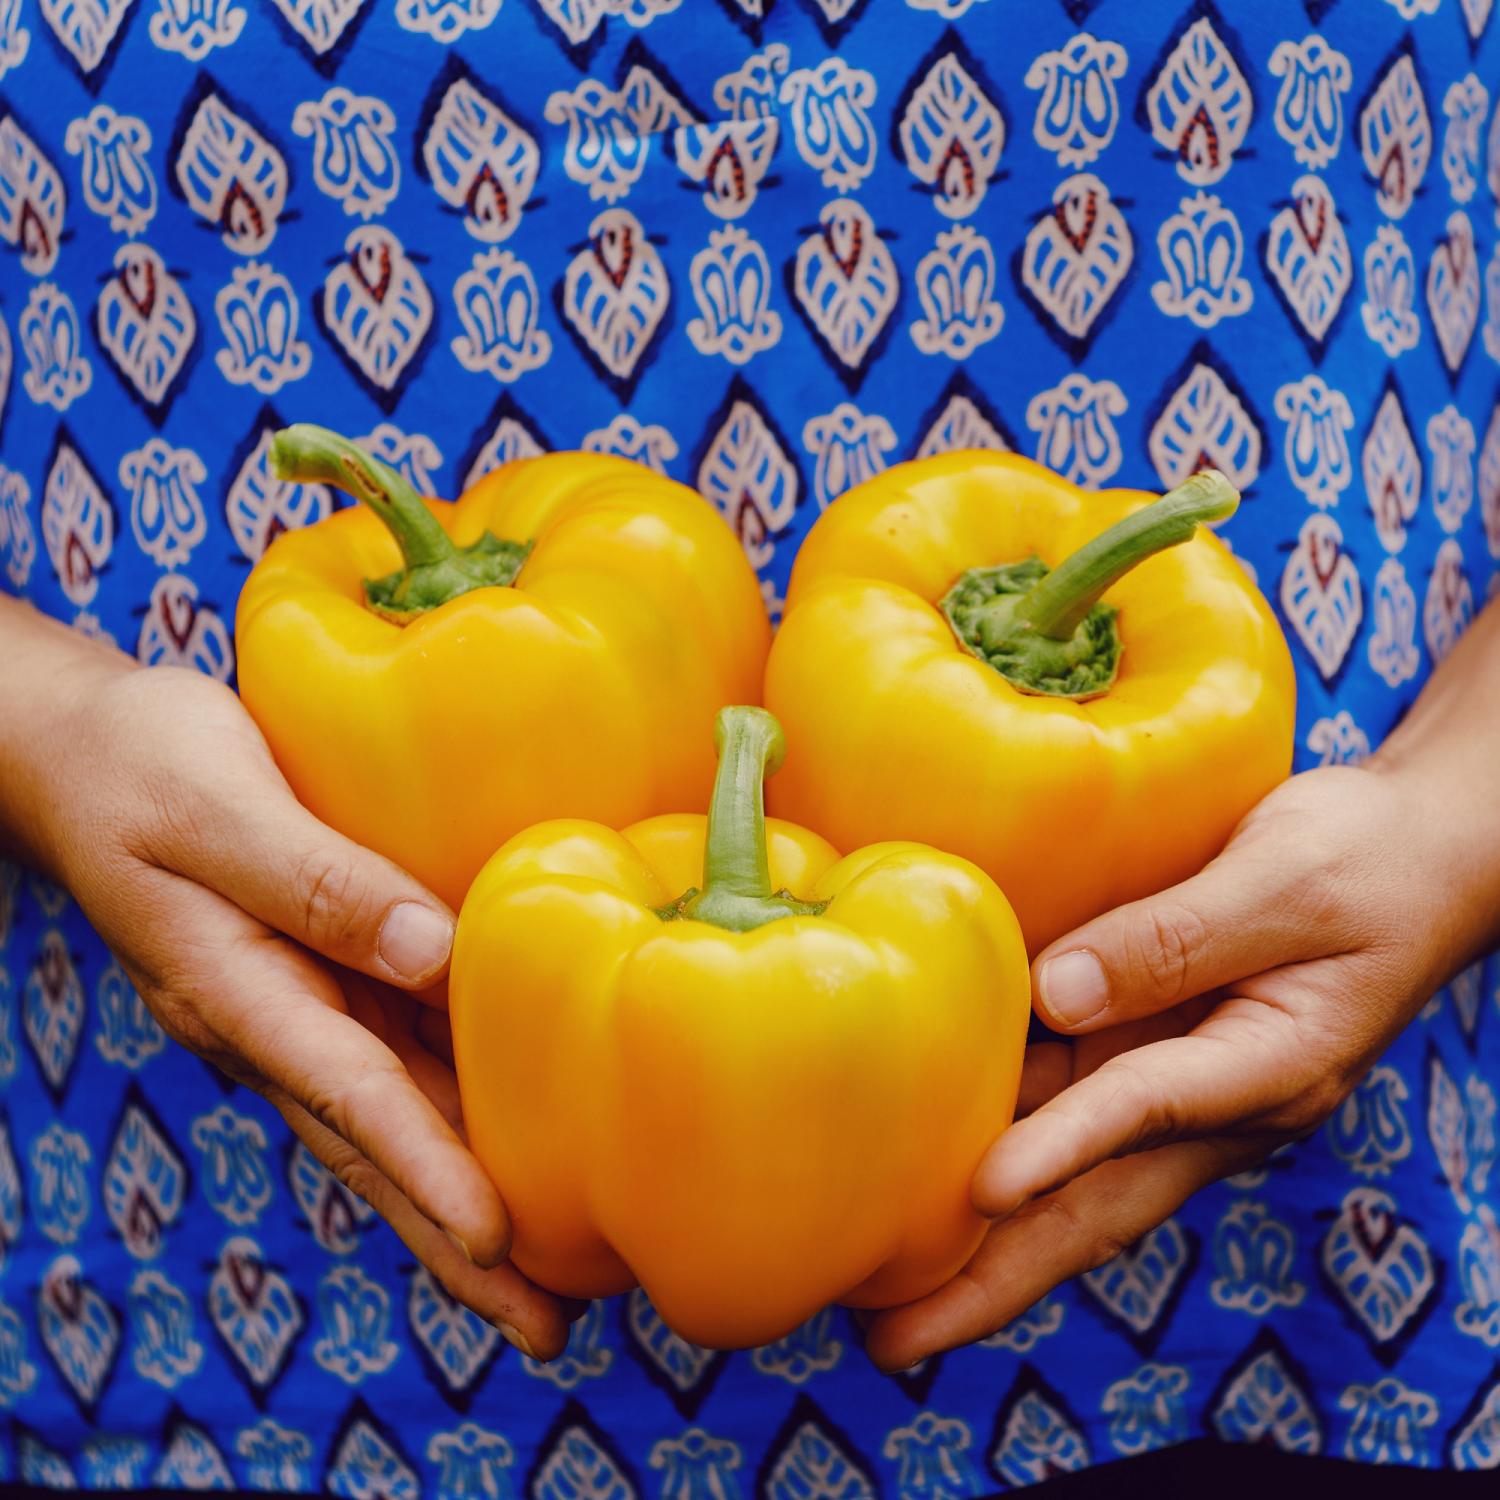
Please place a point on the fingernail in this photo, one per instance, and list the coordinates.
(415, 940)
(515, 1338)
(1073, 986)
(464, 1249)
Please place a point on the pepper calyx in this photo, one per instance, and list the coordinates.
(1045, 630)
(434, 568)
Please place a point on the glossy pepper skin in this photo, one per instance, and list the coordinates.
(756, 1079)
(469, 708)
(1073, 803)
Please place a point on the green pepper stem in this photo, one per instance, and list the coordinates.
(1056, 606)
(736, 893)
(434, 569)
(306, 453)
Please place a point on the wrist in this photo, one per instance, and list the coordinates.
(50, 681)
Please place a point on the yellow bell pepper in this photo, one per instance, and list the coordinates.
(434, 677)
(710, 1056)
(1082, 693)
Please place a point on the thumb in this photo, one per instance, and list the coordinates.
(1239, 917)
(265, 852)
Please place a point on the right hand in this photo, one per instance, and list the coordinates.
(297, 962)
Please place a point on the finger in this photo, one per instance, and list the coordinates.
(1239, 1069)
(1047, 1071)
(531, 1320)
(398, 1021)
(1245, 913)
(1023, 1258)
(265, 852)
(281, 1012)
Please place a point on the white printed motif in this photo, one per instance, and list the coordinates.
(1476, 15)
(1037, 1442)
(1253, 1255)
(1021, 1335)
(320, 23)
(697, 1464)
(232, 176)
(1076, 256)
(956, 284)
(829, 111)
(471, 1460)
(178, 631)
(1146, 1409)
(17, 537)
(413, 455)
(932, 1457)
(333, 1212)
(1449, 605)
(730, 155)
(1381, 1268)
(808, 1350)
(234, 1179)
(1307, 253)
(1316, 451)
(1389, 310)
(354, 161)
(258, 316)
(644, 443)
(254, 1308)
(1369, 1130)
(276, 1458)
(79, 1328)
(17, 1373)
(1199, 105)
(747, 474)
(1395, 135)
(260, 506)
(161, 1319)
(1390, 1421)
(1450, 440)
(445, 20)
(32, 199)
(1393, 649)
(958, 427)
(810, 1462)
(1136, 1285)
(1465, 106)
(846, 282)
(1478, 1315)
(1320, 593)
(56, 369)
(166, 515)
(118, 183)
(1074, 424)
(1310, 103)
(499, 306)
(59, 1183)
(1461, 1125)
(1392, 470)
(1201, 251)
(15, 39)
(1079, 109)
(78, 526)
(1492, 299)
(480, 161)
(1453, 290)
(578, 19)
(951, 136)
(512, 439)
(1489, 483)
(610, 130)
(1339, 741)
(376, 305)
(731, 281)
(366, 1466)
(193, 28)
(128, 1035)
(52, 1009)
(145, 322)
(356, 1318)
(459, 1342)
(144, 1184)
(848, 448)
(615, 292)
(1205, 423)
(87, 28)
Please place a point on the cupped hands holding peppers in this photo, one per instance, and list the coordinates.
(966, 663)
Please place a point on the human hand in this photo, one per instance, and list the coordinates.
(1216, 1021)
(295, 961)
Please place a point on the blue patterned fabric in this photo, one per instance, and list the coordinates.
(769, 248)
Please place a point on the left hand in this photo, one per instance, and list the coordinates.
(1216, 1021)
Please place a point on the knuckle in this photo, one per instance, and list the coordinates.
(335, 910)
(1164, 948)
(1144, 1101)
